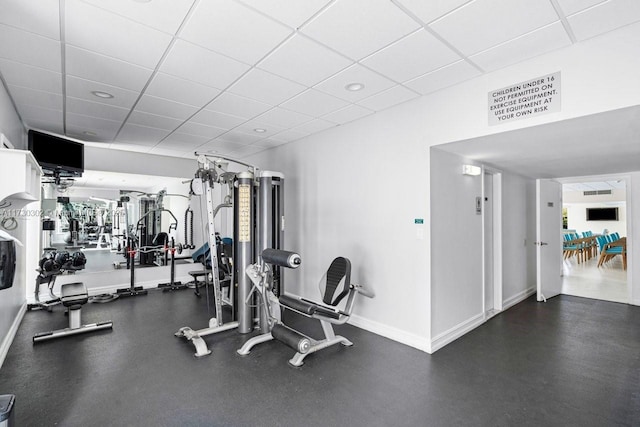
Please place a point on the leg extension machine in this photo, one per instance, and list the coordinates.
(327, 312)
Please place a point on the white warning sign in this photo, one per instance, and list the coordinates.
(523, 100)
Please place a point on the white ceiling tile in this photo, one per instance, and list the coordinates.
(283, 118)
(604, 17)
(482, 24)
(31, 113)
(96, 109)
(219, 146)
(99, 68)
(196, 63)
(304, 61)
(153, 120)
(47, 126)
(116, 145)
(528, 46)
(431, 10)
(314, 103)
(163, 15)
(161, 151)
(238, 137)
(105, 32)
(182, 141)
(25, 96)
(180, 90)
(358, 28)
(78, 123)
(35, 16)
(216, 119)
(444, 77)
(234, 30)
(373, 83)
(78, 132)
(267, 143)
(569, 7)
(31, 49)
(198, 129)
(414, 55)
(289, 136)
(141, 135)
(266, 87)
(164, 107)
(247, 150)
(18, 74)
(290, 12)
(81, 88)
(388, 98)
(348, 114)
(314, 126)
(237, 105)
(251, 126)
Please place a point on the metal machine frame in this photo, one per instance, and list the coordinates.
(251, 187)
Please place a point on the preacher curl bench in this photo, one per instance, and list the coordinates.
(73, 296)
(335, 286)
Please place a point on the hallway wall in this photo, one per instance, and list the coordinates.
(356, 189)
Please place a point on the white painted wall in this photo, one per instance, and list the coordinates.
(577, 203)
(355, 190)
(10, 124)
(13, 299)
(456, 246)
(577, 218)
(518, 236)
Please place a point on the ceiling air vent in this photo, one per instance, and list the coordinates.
(596, 192)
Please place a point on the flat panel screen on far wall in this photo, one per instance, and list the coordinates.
(602, 214)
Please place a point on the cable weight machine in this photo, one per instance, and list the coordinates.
(258, 212)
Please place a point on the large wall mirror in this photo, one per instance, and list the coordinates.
(97, 214)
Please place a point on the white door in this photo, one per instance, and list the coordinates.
(548, 238)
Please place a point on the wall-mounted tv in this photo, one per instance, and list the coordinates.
(57, 154)
(602, 214)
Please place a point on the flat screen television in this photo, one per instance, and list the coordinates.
(602, 214)
(57, 154)
(7, 263)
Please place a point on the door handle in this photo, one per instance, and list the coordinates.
(541, 243)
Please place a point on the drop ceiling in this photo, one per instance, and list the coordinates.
(237, 77)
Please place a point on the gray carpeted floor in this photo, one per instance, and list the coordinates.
(570, 361)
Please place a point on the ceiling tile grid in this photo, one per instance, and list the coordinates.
(240, 76)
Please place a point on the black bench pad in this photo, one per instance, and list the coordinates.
(305, 307)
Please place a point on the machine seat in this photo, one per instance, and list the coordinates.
(74, 294)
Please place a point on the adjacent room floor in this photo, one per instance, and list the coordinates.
(608, 282)
(569, 361)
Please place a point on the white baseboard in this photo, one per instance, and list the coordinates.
(395, 334)
(519, 297)
(456, 332)
(8, 339)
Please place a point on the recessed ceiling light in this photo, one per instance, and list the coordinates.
(100, 94)
(259, 130)
(354, 87)
(89, 133)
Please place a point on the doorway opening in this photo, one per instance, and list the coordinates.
(491, 240)
(597, 206)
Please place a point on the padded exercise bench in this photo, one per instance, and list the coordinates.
(73, 296)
